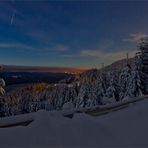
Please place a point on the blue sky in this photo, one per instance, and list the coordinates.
(70, 34)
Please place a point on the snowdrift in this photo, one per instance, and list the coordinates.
(123, 128)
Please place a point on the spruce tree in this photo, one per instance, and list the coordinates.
(135, 87)
(139, 77)
(142, 64)
(124, 80)
(83, 95)
(113, 89)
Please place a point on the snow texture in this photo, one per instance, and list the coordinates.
(123, 128)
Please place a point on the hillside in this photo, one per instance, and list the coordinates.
(77, 89)
(115, 66)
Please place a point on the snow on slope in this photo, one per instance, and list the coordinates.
(126, 127)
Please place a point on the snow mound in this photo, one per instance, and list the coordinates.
(68, 108)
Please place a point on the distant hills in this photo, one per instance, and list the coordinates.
(15, 68)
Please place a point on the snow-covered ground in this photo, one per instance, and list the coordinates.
(124, 128)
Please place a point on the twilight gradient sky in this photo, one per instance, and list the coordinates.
(70, 34)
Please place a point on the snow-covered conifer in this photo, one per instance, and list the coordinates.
(124, 81)
(83, 95)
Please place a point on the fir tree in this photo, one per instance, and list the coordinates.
(135, 86)
(113, 90)
(124, 81)
(83, 95)
(142, 64)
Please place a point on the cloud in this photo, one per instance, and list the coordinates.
(15, 45)
(45, 39)
(61, 48)
(38, 35)
(135, 37)
(107, 57)
(106, 52)
(101, 56)
(69, 55)
(57, 47)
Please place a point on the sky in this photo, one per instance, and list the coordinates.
(80, 34)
